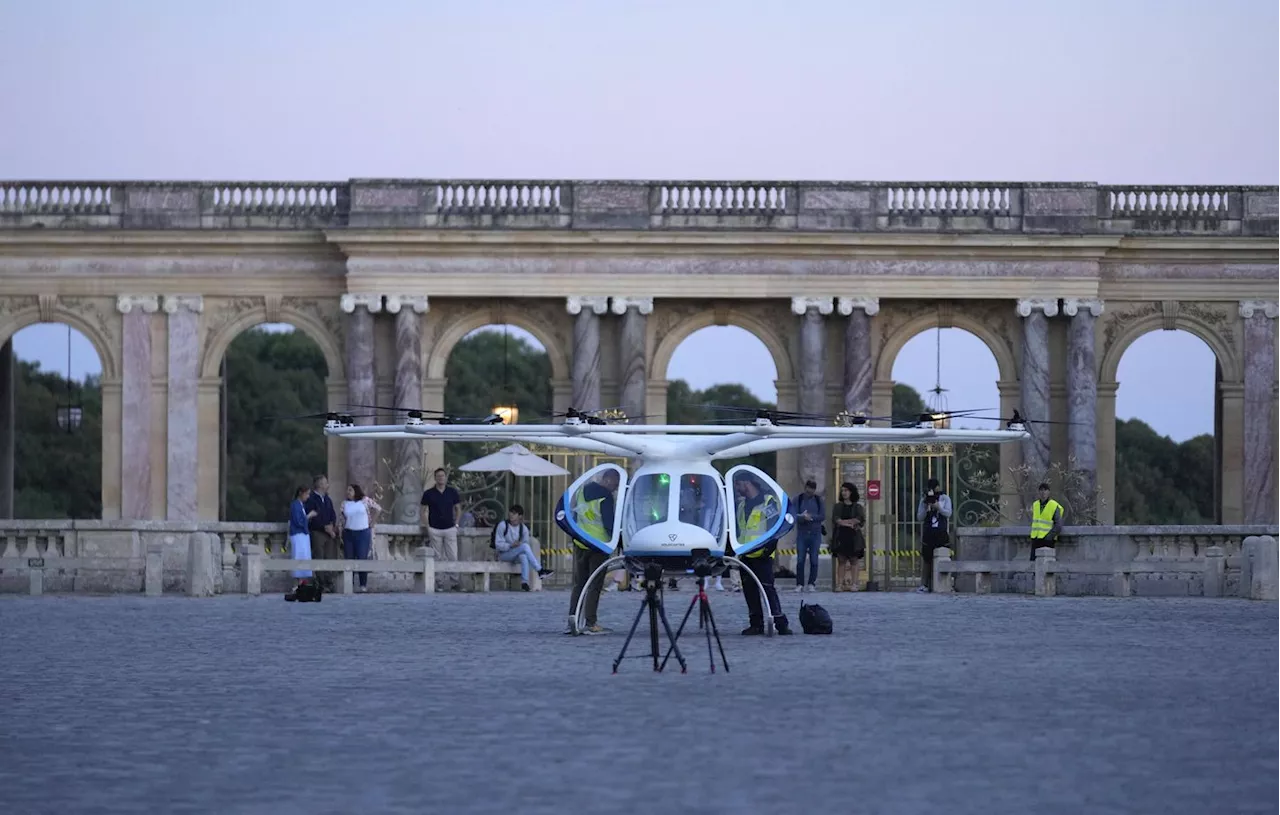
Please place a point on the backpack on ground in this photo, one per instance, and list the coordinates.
(814, 619)
(309, 592)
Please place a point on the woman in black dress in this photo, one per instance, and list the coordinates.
(848, 543)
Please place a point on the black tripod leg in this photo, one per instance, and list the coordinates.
(684, 668)
(712, 631)
(630, 634)
(679, 631)
(654, 611)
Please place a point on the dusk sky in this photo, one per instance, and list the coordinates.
(1126, 91)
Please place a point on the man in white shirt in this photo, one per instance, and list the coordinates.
(511, 541)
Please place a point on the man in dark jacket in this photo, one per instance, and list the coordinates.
(323, 527)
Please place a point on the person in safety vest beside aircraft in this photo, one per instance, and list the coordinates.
(757, 512)
(1046, 521)
(594, 512)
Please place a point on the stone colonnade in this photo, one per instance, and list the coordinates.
(161, 375)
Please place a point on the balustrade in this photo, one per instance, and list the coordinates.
(657, 205)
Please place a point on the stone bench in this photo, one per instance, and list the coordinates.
(423, 566)
(1047, 567)
(151, 566)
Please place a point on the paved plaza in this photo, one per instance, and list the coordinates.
(478, 703)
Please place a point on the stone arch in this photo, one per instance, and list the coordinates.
(464, 324)
(1232, 370)
(220, 341)
(996, 344)
(705, 318)
(102, 345)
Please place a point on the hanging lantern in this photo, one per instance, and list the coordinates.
(510, 413)
(71, 414)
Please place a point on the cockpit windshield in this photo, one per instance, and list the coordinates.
(702, 502)
(648, 501)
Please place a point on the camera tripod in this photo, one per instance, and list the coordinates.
(653, 602)
(706, 622)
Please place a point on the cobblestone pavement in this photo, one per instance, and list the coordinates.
(478, 703)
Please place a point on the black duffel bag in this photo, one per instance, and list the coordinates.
(814, 619)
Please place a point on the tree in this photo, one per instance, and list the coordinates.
(688, 406)
(57, 473)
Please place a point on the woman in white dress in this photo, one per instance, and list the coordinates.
(359, 513)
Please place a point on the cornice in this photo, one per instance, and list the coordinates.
(50, 242)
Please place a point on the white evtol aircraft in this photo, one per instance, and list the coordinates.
(676, 510)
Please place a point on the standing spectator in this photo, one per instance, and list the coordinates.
(848, 540)
(359, 514)
(323, 527)
(809, 514)
(299, 536)
(440, 512)
(1046, 520)
(511, 541)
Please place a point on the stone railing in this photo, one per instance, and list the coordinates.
(129, 542)
(1034, 208)
(1115, 544)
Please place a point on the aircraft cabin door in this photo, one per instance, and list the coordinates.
(590, 511)
(759, 510)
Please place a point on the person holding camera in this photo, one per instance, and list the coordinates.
(933, 513)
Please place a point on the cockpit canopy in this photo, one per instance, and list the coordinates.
(691, 498)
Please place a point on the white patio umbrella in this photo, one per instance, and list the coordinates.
(515, 459)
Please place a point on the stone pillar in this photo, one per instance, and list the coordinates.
(135, 419)
(633, 351)
(1033, 376)
(408, 395)
(8, 387)
(182, 456)
(1259, 410)
(586, 350)
(1082, 388)
(859, 367)
(361, 454)
(811, 382)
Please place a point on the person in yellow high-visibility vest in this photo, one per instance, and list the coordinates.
(757, 512)
(594, 513)
(1046, 521)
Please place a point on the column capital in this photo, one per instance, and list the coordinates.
(350, 302)
(801, 305)
(150, 303)
(1048, 305)
(576, 303)
(1071, 306)
(420, 303)
(644, 305)
(174, 302)
(871, 305)
(1250, 307)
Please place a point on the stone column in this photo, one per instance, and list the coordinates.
(859, 367)
(811, 382)
(408, 395)
(1259, 410)
(1034, 379)
(633, 353)
(586, 349)
(182, 456)
(135, 419)
(8, 386)
(1082, 387)
(361, 454)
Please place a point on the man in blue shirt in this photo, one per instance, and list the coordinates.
(809, 515)
(441, 508)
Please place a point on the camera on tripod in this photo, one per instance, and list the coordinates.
(653, 573)
(701, 562)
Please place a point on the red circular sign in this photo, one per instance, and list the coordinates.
(873, 490)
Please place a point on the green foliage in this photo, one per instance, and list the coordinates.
(271, 375)
(475, 373)
(688, 406)
(907, 403)
(1159, 481)
(57, 474)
